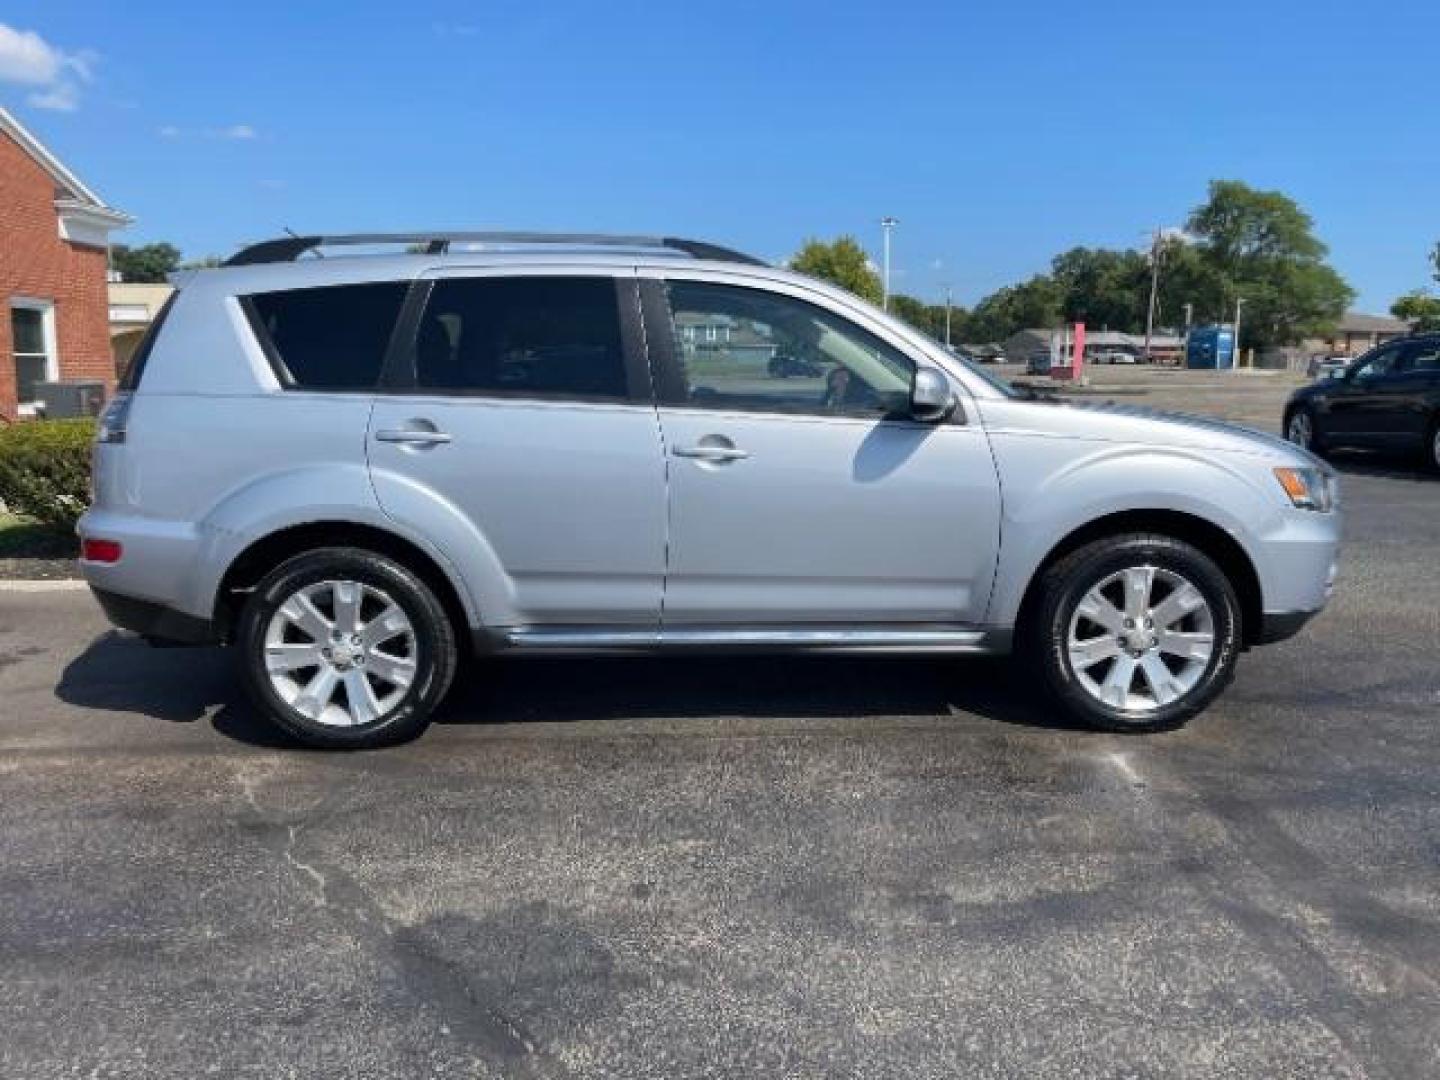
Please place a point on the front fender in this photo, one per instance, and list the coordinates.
(1052, 487)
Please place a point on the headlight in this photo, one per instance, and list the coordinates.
(1309, 489)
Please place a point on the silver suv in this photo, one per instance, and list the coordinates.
(352, 468)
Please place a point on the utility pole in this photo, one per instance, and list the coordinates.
(1239, 303)
(947, 315)
(1154, 288)
(888, 224)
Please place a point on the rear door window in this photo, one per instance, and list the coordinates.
(544, 337)
(328, 338)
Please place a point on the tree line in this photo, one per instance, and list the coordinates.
(1241, 243)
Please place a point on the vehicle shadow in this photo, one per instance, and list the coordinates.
(1379, 463)
(577, 689)
(120, 673)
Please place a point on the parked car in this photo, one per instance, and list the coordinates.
(787, 367)
(1115, 356)
(1388, 399)
(1327, 367)
(352, 469)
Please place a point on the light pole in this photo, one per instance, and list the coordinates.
(1154, 288)
(947, 316)
(1239, 303)
(888, 224)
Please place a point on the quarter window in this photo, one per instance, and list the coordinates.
(523, 336)
(765, 352)
(1424, 358)
(328, 338)
(32, 334)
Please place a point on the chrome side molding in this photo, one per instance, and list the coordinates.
(827, 639)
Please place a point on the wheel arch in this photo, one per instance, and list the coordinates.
(264, 554)
(1208, 537)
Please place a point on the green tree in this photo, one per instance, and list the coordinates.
(1038, 302)
(1259, 246)
(927, 318)
(841, 262)
(1418, 308)
(150, 263)
(1103, 289)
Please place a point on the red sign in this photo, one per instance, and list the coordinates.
(1073, 358)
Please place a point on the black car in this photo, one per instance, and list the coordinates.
(1388, 399)
(786, 367)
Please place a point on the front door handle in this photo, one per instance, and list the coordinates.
(412, 436)
(712, 453)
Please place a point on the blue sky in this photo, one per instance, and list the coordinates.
(999, 133)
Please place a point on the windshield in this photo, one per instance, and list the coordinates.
(1005, 386)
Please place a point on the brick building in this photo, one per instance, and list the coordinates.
(54, 238)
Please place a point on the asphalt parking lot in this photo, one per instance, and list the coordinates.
(890, 867)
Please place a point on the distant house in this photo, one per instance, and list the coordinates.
(1356, 333)
(1164, 347)
(714, 335)
(133, 307)
(54, 240)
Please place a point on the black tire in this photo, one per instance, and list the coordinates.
(435, 650)
(1068, 581)
(1317, 443)
(1432, 446)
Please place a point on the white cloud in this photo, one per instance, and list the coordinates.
(236, 132)
(27, 59)
(62, 97)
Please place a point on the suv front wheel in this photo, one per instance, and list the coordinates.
(342, 647)
(1137, 632)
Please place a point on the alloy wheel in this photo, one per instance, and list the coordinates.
(1141, 638)
(1301, 430)
(340, 653)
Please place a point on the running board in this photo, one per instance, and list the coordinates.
(820, 639)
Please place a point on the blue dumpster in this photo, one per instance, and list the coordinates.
(1210, 347)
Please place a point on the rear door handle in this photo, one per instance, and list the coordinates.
(712, 453)
(412, 436)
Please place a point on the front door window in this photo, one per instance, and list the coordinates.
(748, 350)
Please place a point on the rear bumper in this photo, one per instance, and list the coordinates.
(156, 622)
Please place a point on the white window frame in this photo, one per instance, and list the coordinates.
(48, 339)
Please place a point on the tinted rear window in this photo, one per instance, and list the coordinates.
(527, 336)
(330, 338)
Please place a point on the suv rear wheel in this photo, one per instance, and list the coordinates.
(1136, 632)
(342, 647)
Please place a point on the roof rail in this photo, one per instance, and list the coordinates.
(290, 248)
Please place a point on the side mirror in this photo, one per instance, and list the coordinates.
(931, 398)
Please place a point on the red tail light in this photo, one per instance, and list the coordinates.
(102, 551)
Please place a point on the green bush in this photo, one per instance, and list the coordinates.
(45, 469)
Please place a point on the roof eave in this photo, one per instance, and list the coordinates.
(50, 163)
